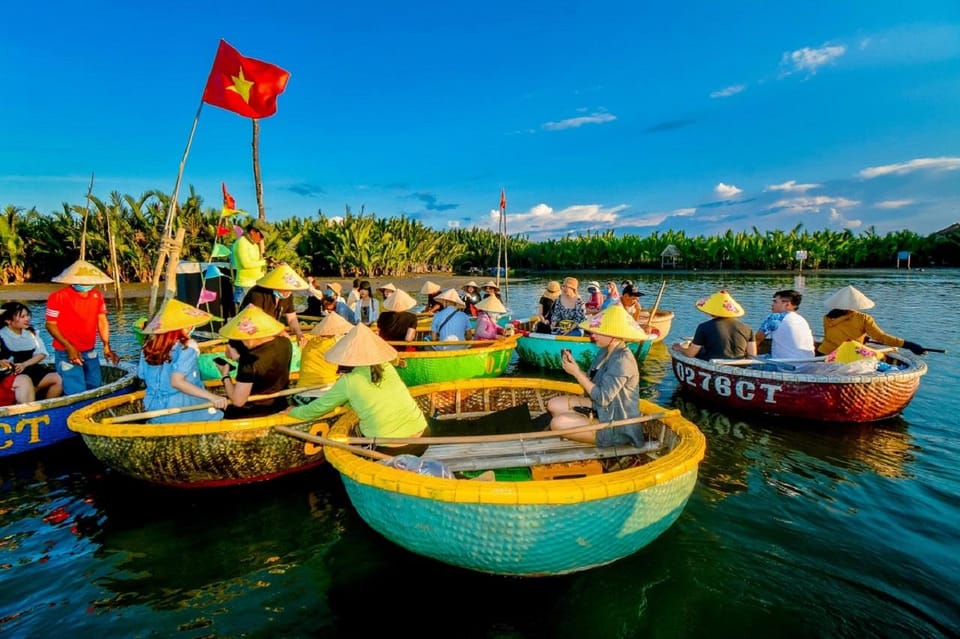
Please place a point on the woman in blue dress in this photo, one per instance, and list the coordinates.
(169, 365)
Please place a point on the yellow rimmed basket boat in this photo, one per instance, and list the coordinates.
(524, 528)
(488, 358)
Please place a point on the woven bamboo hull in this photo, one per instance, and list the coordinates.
(660, 326)
(528, 528)
(429, 367)
(853, 398)
(544, 350)
(196, 454)
(26, 427)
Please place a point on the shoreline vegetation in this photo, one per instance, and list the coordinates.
(38, 246)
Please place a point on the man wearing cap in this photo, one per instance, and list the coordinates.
(247, 259)
(449, 323)
(630, 300)
(845, 321)
(263, 363)
(274, 294)
(723, 336)
(75, 315)
(791, 335)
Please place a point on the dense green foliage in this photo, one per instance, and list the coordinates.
(37, 246)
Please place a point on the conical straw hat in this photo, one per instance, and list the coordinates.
(82, 272)
(283, 278)
(332, 324)
(491, 305)
(388, 287)
(251, 323)
(429, 288)
(450, 295)
(614, 321)
(851, 351)
(491, 284)
(468, 285)
(849, 298)
(399, 301)
(720, 304)
(174, 315)
(360, 347)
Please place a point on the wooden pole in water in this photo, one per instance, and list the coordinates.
(86, 214)
(113, 259)
(258, 183)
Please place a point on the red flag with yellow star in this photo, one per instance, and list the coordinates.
(246, 86)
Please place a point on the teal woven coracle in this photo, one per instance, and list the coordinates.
(544, 350)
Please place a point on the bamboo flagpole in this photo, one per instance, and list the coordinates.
(86, 214)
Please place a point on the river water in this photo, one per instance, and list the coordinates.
(794, 530)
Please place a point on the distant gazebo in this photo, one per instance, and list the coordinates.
(669, 255)
(903, 256)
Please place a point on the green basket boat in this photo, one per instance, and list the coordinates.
(484, 359)
(537, 349)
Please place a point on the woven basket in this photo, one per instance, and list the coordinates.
(428, 367)
(544, 351)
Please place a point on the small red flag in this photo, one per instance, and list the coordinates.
(228, 201)
(503, 200)
(222, 230)
(246, 86)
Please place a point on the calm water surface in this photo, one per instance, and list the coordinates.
(795, 530)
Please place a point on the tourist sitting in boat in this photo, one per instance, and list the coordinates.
(450, 323)
(14, 388)
(470, 297)
(545, 305)
(274, 294)
(845, 321)
(397, 323)
(723, 336)
(367, 308)
(568, 311)
(630, 300)
(386, 291)
(431, 290)
(790, 334)
(613, 296)
(20, 343)
(263, 363)
(315, 370)
(488, 310)
(490, 289)
(169, 365)
(333, 303)
(371, 386)
(612, 384)
(594, 298)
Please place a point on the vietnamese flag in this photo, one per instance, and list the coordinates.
(246, 86)
(229, 203)
(503, 200)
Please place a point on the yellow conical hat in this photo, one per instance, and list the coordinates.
(851, 351)
(450, 295)
(82, 272)
(720, 304)
(283, 278)
(491, 305)
(429, 288)
(849, 298)
(332, 324)
(361, 347)
(174, 315)
(399, 301)
(614, 321)
(251, 323)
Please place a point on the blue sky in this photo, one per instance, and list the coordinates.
(699, 116)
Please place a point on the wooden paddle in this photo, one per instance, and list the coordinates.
(134, 417)
(656, 305)
(317, 439)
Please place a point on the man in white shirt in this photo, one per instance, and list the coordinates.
(791, 335)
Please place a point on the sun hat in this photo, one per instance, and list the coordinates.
(251, 323)
(851, 351)
(388, 287)
(614, 321)
(491, 284)
(491, 305)
(399, 302)
(331, 325)
(283, 278)
(571, 281)
(82, 272)
(335, 286)
(553, 290)
(720, 304)
(450, 295)
(175, 315)
(360, 347)
(631, 289)
(429, 288)
(468, 285)
(849, 298)
(593, 286)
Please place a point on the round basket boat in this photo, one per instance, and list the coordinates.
(26, 427)
(489, 359)
(526, 528)
(659, 327)
(544, 351)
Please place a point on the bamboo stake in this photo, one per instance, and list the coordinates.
(656, 305)
(86, 214)
(258, 183)
(317, 439)
(170, 286)
(118, 292)
(122, 419)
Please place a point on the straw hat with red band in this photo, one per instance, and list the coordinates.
(360, 347)
(849, 298)
(851, 351)
(720, 304)
(283, 278)
(399, 302)
(450, 295)
(429, 288)
(174, 315)
(251, 323)
(331, 325)
(491, 305)
(82, 272)
(615, 322)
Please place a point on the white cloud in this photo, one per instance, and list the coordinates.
(726, 191)
(919, 164)
(573, 123)
(453, 224)
(812, 203)
(809, 60)
(837, 218)
(683, 212)
(893, 204)
(791, 186)
(728, 91)
(543, 218)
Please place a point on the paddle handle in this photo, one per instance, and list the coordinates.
(317, 439)
(656, 305)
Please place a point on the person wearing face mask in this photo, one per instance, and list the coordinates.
(273, 294)
(75, 315)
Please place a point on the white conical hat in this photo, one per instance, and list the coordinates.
(82, 272)
(491, 305)
(450, 295)
(849, 298)
(361, 347)
(332, 325)
(399, 301)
